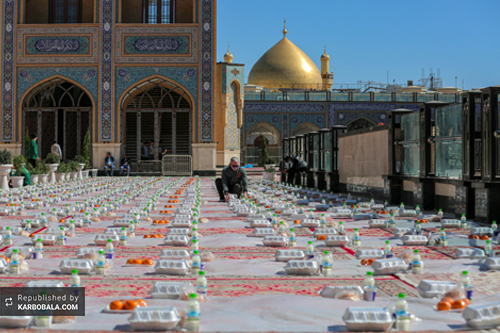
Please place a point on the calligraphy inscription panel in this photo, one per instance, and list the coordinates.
(161, 45)
(57, 45)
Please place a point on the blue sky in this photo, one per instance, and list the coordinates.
(365, 39)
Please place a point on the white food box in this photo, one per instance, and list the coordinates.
(336, 240)
(3, 265)
(176, 240)
(164, 318)
(113, 230)
(364, 204)
(367, 319)
(414, 240)
(400, 232)
(287, 255)
(408, 213)
(467, 253)
(102, 239)
(84, 250)
(377, 206)
(435, 289)
(450, 223)
(324, 231)
(121, 223)
(184, 211)
(15, 321)
(172, 267)
(262, 232)
(393, 210)
(46, 239)
(493, 263)
(183, 217)
(481, 231)
(310, 223)
(482, 316)
(260, 224)
(389, 266)
(181, 223)
(335, 291)
(301, 267)
(55, 230)
(253, 217)
(179, 231)
(377, 223)
(84, 266)
(297, 217)
(26, 251)
(175, 255)
(45, 284)
(77, 222)
(370, 254)
(275, 241)
(13, 230)
(169, 290)
(35, 223)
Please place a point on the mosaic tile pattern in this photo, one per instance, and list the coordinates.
(232, 133)
(106, 70)
(230, 73)
(206, 70)
(283, 107)
(9, 15)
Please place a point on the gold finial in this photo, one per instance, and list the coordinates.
(284, 30)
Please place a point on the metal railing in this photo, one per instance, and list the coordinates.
(177, 165)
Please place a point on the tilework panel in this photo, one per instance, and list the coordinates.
(363, 106)
(160, 51)
(232, 133)
(344, 118)
(207, 41)
(230, 73)
(28, 77)
(52, 45)
(252, 119)
(9, 15)
(298, 119)
(106, 70)
(283, 107)
(286, 132)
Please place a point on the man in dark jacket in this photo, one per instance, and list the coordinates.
(234, 180)
(297, 166)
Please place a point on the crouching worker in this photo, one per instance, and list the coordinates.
(297, 166)
(234, 180)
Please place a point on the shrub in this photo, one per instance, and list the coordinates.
(5, 157)
(72, 166)
(86, 149)
(19, 160)
(62, 167)
(52, 159)
(41, 168)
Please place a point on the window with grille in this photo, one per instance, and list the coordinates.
(158, 11)
(65, 11)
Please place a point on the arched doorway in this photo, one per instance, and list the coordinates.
(359, 123)
(157, 111)
(58, 110)
(304, 129)
(255, 136)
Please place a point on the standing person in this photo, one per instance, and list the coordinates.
(151, 150)
(234, 180)
(56, 149)
(109, 164)
(144, 151)
(161, 151)
(125, 165)
(297, 166)
(33, 150)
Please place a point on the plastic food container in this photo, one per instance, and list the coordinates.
(383, 224)
(84, 266)
(179, 231)
(176, 240)
(260, 224)
(364, 204)
(253, 217)
(26, 251)
(367, 319)
(3, 265)
(35, 223)
(54, 230)
(482, 231)
(324, 231)
(389, 266)
(183, 217)
(408, 213)
(181, 223)
(310, 223)
(334, 291)
(393, 210)
(14, 230)
(275, 241)
(175, 255)
(77, 222)
(102, 239)
(336, 240)
(170, 290)
(414, 240)
(400, 232)
(287, 255)
(263, 232)
(493, 263)
(466, 253)
(450, 223)
(297, 217)
(148, 318)
(432, 289)
(482, 316)
(121, 223)
(46, 239)
(45, 284)
(477, 242)
(84, 250)
(342, 214)
(377, 206)
(301, 267)
(363, 216)
(369, 254)
(15, 322)
(171, 267)
(322, 207)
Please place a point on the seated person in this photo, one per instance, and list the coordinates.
(109, 164)
(297, 166)
(125, 165)
(234, 180)
(21, 171)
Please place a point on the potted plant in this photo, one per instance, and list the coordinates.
(53, 162)
(19, 160)
(42, 170)
(269, 173)
(72, 168)
(33, 173)
(17, 179)
(61, 172)
(5, 167)
(80, 164)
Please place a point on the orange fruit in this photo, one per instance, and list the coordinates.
(116, 305)
(471, 236)
(62, 221)
(131, 305)
(130, 261)
(147, 262)
(156, 236)
(156, 221)
(370, 261)
(458, 304)
(443, 306)
(137, 261)
(485, 237)
(141, 302)
(147, 236)
(467, 301)
(476, 237)
(364, 262)
(7, 260)
(447, 299)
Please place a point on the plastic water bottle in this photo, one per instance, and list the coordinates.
(372, 201)
(417, 209)
(15, 265)
(86, 220)
(109, 249)
(494, 227)
(61, 238)
(293, 238)
(442, 237)
(123, 237)
(310, 250)
(43, 220)
(75, 279)
(327, 264)
(322, 222)
(387, 249)
(416, 266)
(440, 212)
(194, 234)
(488, 249)
(463, 222)
(341, 227)
(402, 206)
(392, 222)
(357, 239)
(131, 229)
(8, 236)
(27, 226)
(72, 226)
(195, 245)
(418, 228)
(100, 265)
(193, 314)
(196, 263)
(201, 284)
(369, 287)
(274, 222)
(282, 228)
(311, 214)
(38, 254)
(465, 279)
(402, 316)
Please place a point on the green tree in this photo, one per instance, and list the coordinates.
(264, 155)
(86, 148)
(27, 141)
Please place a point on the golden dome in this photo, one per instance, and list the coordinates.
(285, 65)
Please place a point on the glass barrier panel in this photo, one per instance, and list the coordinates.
(328, 161)
(410, 126)
(411, 159)
(425, 97)
(274, 96)
(316, 161)
(449, 121)
(296, 96)
(449, 158)
(404, 97)
(316, 142)
(328, 141)
(252, 96)
(317, 96)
